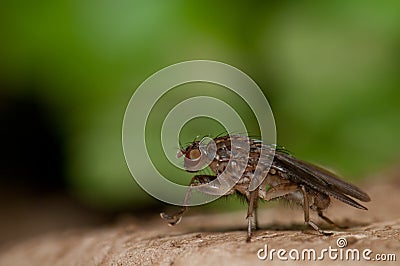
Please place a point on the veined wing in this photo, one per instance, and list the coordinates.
(321, 180)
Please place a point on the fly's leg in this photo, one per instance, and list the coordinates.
(280, 191)
(251, 214)
(255, 217)
(197, 180)
(306, 209)
(175, 218)
(329, 221)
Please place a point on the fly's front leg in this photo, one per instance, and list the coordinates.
(306, 208)
(255, 217)
(197, 180)
(175, 218)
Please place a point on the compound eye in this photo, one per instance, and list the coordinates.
(194, 154)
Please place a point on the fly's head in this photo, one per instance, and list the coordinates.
(198, 154)
(192, 156)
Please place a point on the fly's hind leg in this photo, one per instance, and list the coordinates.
(306, 208)
(197, 180)
(329, 221)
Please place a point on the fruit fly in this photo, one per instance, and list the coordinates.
(287, 177)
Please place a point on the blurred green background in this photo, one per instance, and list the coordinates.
(330, 71)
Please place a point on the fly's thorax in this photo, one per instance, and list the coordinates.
(218, 166)
(239, 163)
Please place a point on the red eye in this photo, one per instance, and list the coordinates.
(194, 154)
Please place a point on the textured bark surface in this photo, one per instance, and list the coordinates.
(219, 239)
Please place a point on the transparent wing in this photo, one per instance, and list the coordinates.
(321, 180)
